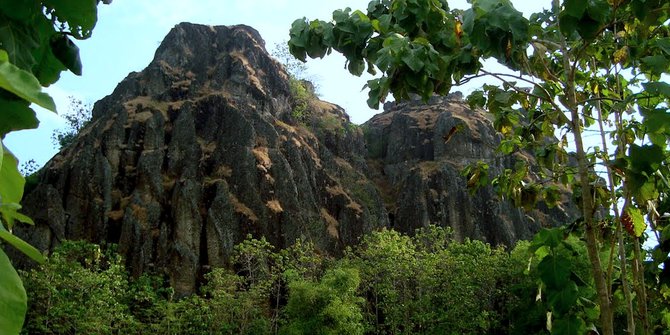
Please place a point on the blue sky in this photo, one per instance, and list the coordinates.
(129, 31)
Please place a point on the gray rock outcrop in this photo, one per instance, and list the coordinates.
(188, 156)
(416, 154)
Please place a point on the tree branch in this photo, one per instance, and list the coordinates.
(500, 76)
(599, 99)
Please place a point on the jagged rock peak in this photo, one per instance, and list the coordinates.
(188, 44)
(199, 149)
(187, 37)
(196, 61)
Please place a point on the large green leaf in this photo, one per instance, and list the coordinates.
(547, 237)
(657, 88)
(81, 15)
(562, 299)
(67, 53)
(23, 83)
(599, 10)
(47, 67)
(664, 44)
(13, 300)
(642, 187)
(568, 24)
(16, 115)
(11, 180)
(657, 123)
(18, 41)
(588, 28)
(19, 10)
(638, 221)
(22, 245)
(413, 60)
(575, 8)
(555, 271)
(656, 64)
(569, 325)
(647, 158)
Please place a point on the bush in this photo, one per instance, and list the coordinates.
(388, 284)
(80, 290)
(301, 99)
(78, 116)
(432, 285)
(224, 307)
(326, 307)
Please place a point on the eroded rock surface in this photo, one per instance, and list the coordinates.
(416, 154)
(188, 156)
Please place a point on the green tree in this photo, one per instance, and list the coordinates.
(303, 91)
(561, 267)
(81, 289)
(77, 117)
(225, 306)
(431, 284)
(583, 63)
(28, 168)
(329, 306)
(387, 262)
(35, 46)
(294, 67)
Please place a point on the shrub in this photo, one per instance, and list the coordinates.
(78, 116)
(431, 284)
(301, 99)
(329, 306)
(224, 307)
(80, 290)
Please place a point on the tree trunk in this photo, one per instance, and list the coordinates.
(591, 231)
(640, 289)
(588, 205)
(630, 315)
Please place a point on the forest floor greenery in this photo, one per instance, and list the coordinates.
(389, 283)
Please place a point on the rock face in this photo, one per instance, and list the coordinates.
(187, 157)
(416, 154)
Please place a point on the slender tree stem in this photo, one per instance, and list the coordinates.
(591, 231)
(637, 266)
(640, 289)
(619, 230)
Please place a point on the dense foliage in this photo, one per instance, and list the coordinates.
(592, 65)
(388, 284)
(81, 290)
(35, 47)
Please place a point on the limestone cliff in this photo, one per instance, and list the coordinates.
(188, 156)
(416, 153)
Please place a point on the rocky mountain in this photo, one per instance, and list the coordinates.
(416, 154)
(201, 148)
